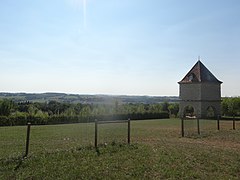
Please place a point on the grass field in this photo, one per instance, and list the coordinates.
(157, 151)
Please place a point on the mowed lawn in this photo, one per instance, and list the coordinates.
(157, 151)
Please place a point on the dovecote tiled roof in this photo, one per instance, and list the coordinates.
(199, 74)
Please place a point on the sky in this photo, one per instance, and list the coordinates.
(117, 47)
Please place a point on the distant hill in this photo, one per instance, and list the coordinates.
(86, 99)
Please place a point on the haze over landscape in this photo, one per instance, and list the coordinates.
(137, 47)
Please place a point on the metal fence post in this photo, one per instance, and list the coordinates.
(198, 126)
(182, 125)
(96, 133)
(28, 139)
(234, 123)
(129, 130)
(218, 122)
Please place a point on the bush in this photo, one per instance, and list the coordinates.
(17, 120)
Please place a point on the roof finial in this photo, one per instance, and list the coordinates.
(199, 58)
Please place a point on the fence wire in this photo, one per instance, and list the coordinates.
(12, 141)
(190, 127)
(208, 126)
(112, 133)
(52, 138)
(61, 137)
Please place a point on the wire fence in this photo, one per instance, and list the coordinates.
(12, 141)
(45, 138)
(112, 132)
(52, 138)
(190, 127)
(193, 127)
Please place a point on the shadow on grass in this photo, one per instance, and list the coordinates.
(202, 135)
(12, 162)
(112, 147)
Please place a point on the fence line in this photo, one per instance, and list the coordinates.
(62, 139)
(183, 125)
(111, 122)
(218, 121)
(233, 122)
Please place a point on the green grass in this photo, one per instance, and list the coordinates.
(157, 151)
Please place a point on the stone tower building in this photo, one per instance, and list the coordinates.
(201, 90)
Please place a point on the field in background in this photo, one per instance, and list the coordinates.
(157, 151)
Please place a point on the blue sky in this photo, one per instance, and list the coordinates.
(132, 47)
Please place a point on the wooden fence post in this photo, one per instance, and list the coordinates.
(129, 130)
(198, 126)
(182, 125)
(27, 139)
(96, 133)
(234, 124)
(218, 122)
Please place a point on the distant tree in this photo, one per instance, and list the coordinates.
(140, 108)
(57, 108)
(165, 106)
(225, 110)
(173, 109)
(116, 108)
(69, 112)
(231, 106)
(189, 111)
(41, 114)
(77, 108)
(85, 111)
(23, 106)
(130, 108)
(234, 106)
(6, 107)
(32, 110)
(155, 108)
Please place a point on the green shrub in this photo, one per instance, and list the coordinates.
(23, 119)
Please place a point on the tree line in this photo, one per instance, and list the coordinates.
(231, 106)
(53, 112)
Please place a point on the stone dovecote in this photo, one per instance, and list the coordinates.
(201, 90)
